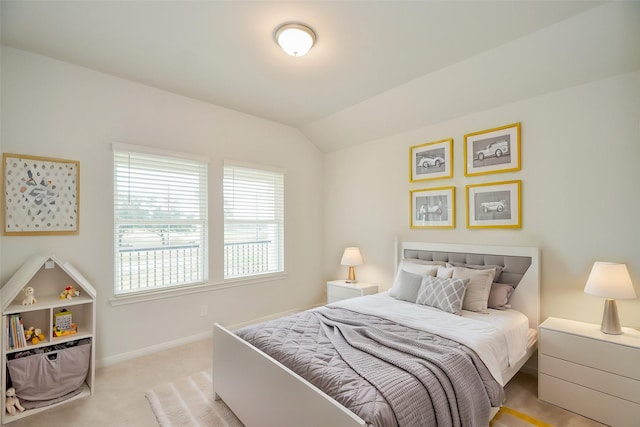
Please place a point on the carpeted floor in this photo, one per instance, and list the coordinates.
(189, 402)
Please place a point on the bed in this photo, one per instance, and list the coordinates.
(264, 391)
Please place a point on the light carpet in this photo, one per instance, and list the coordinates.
(189, 402)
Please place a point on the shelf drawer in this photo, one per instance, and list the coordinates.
(340, 292)
(615, 385)
(593, 404)
(620, 359)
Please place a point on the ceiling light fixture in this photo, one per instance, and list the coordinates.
(295, 39)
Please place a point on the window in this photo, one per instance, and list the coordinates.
(160, 213)
(253, 221)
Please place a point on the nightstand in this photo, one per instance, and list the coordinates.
(339, 289)
(591, 373)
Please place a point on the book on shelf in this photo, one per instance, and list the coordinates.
(15, 332)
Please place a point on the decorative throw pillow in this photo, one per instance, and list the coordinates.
(444, 294)
(444, 272)
(477, 295)
(414, 268)
(406, 286)
(499, 296)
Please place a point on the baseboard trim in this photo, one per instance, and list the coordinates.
(145, 351)
(123, 357)
(269, 317)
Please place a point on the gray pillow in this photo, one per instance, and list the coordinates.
(444, 294)
(407, 286)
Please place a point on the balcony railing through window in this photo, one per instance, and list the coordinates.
(163, 266)
(246, 258)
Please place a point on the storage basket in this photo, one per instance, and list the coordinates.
(50, 375)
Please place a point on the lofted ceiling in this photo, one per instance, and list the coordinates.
(223, 52)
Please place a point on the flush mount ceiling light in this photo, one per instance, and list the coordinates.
(295, 39)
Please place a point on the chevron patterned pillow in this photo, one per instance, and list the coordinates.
(442, 293)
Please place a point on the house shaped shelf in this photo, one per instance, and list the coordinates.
(48, 276)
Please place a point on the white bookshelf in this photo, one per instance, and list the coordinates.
(49, 276)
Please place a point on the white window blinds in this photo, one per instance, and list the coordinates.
(160, 213)
(253, 221)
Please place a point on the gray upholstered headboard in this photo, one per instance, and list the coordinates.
(521, 267)
(513, 267)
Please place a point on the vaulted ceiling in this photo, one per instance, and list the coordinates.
(369, 56)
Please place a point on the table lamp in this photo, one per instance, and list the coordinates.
(351, 257)
(611, 281)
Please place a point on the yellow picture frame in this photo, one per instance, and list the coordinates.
(432, 160)
(494, 204)
(432, 208)
(41, 195)
(493, 150)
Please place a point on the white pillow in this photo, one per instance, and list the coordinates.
(444, 272)
(414, 268)
(478, 289)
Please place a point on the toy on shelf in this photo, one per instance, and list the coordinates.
(69, 292)
(63, 324)
(34, 335)
(57, 332)
(13, 403)
(29, 297)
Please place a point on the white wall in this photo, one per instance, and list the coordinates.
(580, 178)
(54, 109)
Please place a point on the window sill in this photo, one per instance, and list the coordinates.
(194, 289)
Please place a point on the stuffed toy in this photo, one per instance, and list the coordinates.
(29, 297)
(34, 334)
(13, 403)
(69, 292)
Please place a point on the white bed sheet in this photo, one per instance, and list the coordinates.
(499, 337)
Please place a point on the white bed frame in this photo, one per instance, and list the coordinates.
(263, 392)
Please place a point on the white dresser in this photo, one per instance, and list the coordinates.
(591, 373)
(339, 289)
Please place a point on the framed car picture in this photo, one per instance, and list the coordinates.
(492, 151)
(494, 205)
(432, 160)
(433, 208)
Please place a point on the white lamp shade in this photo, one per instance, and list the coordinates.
(295, 39)
(351, 257)
(610, 280)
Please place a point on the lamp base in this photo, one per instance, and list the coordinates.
(352, 275)
(610, 321)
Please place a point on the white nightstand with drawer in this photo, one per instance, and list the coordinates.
(589, 372)
(339, 289)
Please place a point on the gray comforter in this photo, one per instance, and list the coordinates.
(387, 374)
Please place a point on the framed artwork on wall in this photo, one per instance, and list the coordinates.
(492, 151)
(494, 205)
(433, 208)
(41, 195)
(432, 160)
